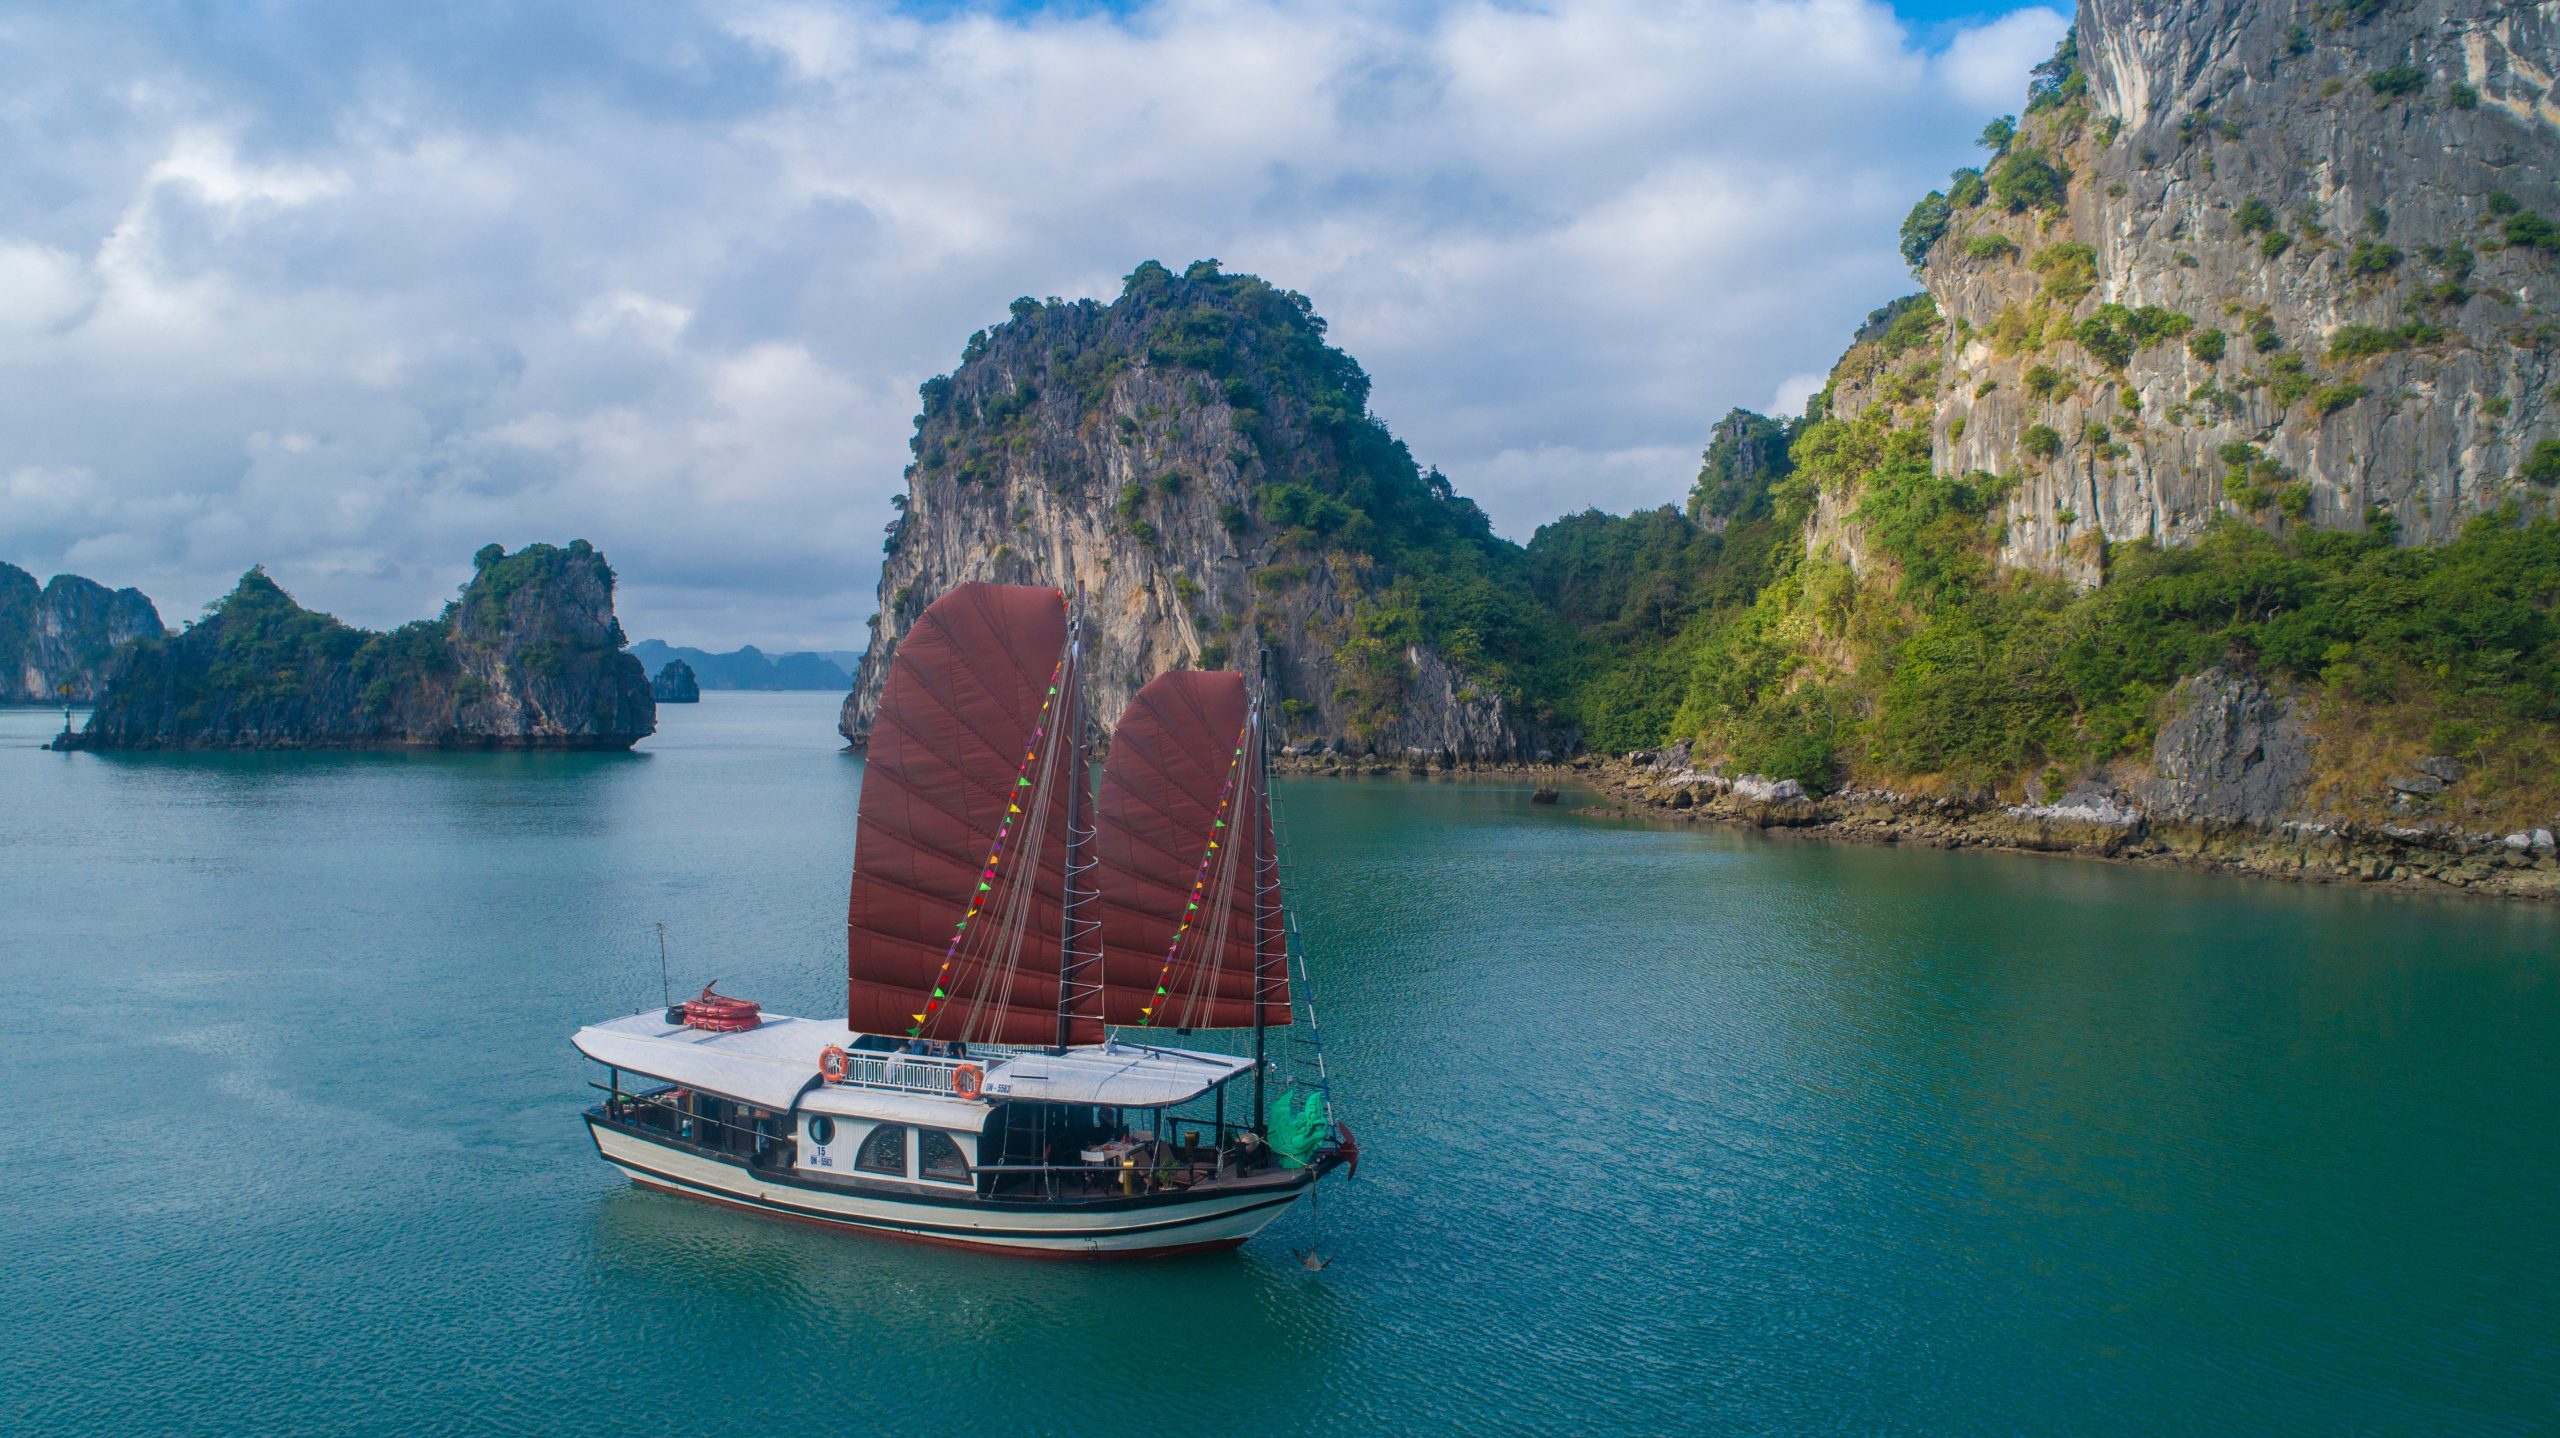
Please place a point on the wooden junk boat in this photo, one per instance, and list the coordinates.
(1025, 970)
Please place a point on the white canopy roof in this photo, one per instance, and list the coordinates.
(1113, 1075)
(768, 1066)
(775, 1063)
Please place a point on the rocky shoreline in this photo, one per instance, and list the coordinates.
(2431, 858)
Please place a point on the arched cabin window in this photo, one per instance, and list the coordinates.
(884, 1151)
(938, 1156)
(822, 1130)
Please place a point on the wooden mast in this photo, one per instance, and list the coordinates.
(1079, 759)
(1259, 822)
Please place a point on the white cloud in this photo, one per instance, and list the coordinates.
(207, 162)
(1985, 67)
(1793, 391)
(671, 285)
(40, 288)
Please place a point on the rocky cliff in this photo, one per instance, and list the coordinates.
(2296, 263)
(2205, 496)
(62, 642)
(529, 657)
(1204, 465)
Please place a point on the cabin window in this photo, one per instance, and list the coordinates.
(938, 1156)
(884, 1151)
(822, 1130)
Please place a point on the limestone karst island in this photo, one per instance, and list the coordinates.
(2199, 505)
(1792, 716)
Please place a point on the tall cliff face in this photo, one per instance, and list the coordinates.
(2213, 471)
(530, 657)
(2290, 262)
(1199, 460)
(540, 657)
(61, 642)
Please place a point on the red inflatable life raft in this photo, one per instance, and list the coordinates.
(721, 1014)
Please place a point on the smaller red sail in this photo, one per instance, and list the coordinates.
(952, 931)
(1188, 875)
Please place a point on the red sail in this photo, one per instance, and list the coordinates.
(1184, 821)
(959, 874)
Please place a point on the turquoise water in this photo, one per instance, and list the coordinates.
(1663, 1130)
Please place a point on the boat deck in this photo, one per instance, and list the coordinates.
(775, 1064)
(1163, 1173)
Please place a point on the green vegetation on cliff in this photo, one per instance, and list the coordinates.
(1352, 489)
(1933, 662)
(1643, 593)
(1936, 662)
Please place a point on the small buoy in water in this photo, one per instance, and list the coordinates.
(1313, 1260)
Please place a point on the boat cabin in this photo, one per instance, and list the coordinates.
(817, 1102)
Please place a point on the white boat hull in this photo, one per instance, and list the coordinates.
(1164, 1224)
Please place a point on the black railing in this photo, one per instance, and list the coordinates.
(671, 1114)
(669, 1111)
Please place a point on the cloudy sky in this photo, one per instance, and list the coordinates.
(351, 291)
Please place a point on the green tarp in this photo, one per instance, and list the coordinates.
(1298, 1126)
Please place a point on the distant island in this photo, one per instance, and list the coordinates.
(529, 657)
(60, 643)
(676, 684)
(752, 668)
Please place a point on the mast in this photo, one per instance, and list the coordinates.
(1259, 825)
(1079, 756)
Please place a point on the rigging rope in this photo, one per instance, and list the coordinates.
(1173, 946)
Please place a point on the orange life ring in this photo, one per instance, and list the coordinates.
(834, 1063)
(968, 1080)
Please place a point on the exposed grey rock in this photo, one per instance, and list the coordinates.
(63, 642)
(2104, 808)
(1074, 445)
(1761, 790)
(2439, 768)
(2419, 785)
(2201, 115)
(2233, 752)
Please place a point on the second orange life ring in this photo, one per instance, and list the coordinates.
(968, 1080)
(834, 1063)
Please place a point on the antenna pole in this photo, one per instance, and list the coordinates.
(666, 988)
